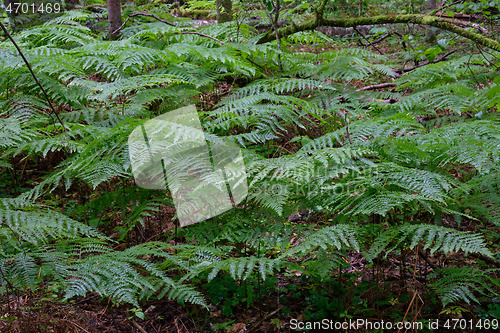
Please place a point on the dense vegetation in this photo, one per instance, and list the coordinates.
(373, 165)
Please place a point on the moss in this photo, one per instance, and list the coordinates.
(385, 19)
(428, 20)
(197, 13)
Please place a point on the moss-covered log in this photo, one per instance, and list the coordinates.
(435, 21)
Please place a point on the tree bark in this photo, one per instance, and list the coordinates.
(114, 16)
(7, 3)
(430, 34)
(12, 15)
(224, 10)
(429, 20)
(71, 4)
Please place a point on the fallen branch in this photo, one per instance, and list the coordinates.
(442, 23)
(404, 70)
(423, 255)
(139, 327)
(369, 44)
(377, 86)
(386, 36)
(408, 69)
(380, 39)
(167, 23)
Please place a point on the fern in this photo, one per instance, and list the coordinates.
(81, 259)
(459, 284)
(13, 132)
(60, 35)
(310, 140)
(118, 275)
(433, 237)
(485, 200)
(338, 237)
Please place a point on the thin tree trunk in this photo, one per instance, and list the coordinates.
(114, 16)
(430, 34)
(224, 10)
(71, 4)
(12, 15)
(10, 3)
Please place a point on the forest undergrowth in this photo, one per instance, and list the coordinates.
(372, 163)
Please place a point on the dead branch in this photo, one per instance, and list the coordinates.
(408, 69)
(377, 86)
(442, 23)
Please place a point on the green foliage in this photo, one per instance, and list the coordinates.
(456, 284)
(42, 244)
(435, 238)
(309, 141)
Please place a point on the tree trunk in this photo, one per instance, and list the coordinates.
(12, 14)
(224, 10)
(71, 4)
(114, 16)
(430, 34)
(8, 3)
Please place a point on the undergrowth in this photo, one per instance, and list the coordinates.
(333, 170)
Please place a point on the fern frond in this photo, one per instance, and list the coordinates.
(460, 283)
(338, 237)
(435, 238)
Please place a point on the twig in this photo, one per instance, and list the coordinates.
(363, 36)
(139, 327)
(385, 36)
(78, 326)
(377, 86)
(199, 34)
(25, 105)
(142, 14)
(472, 72)
(257, 65)
(184, 325)
(8, 282)
(491, 54)
(347, 128)
(443, 6)
(409, 306)
(103, 312)
(176, 326)
(38, 83)
(168, 23)
(380, 39)
(254, 326)
(424, 256)
(486, 259)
